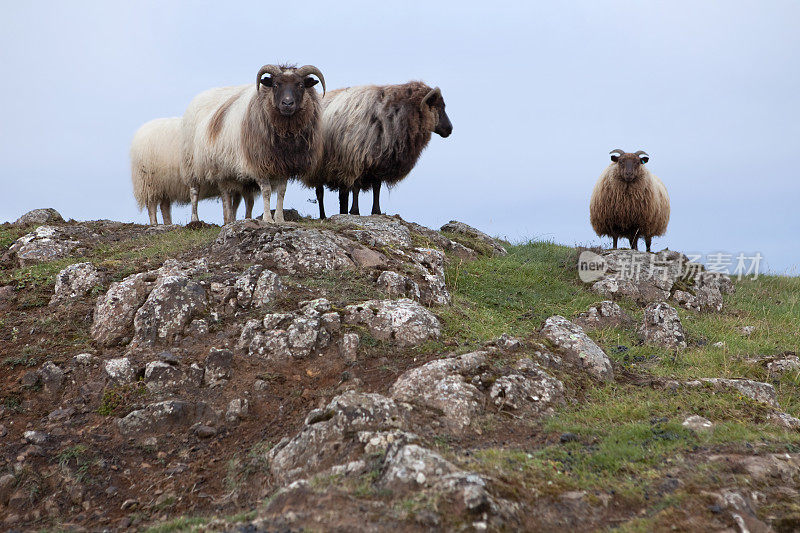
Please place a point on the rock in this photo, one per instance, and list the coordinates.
(268, 287)
(755, 390)
(368, 258)
(7, 483)
(260, 385)
(698, 424)
(534, 393)
(161, 377)
(747, 330)
(708, 288)
(294, 250)
(205, 432)
(662, 326)
(414, 465)
(403, 321)
(162, 415)
(171, 305)
(39, 216)
(75, 281)
(30, 379)
(441, 385)
(7, 296)
(394, 285)
(35, 437)
(120, 370)
(785, 420)
(790, 363)
(463, 229)
(283, 336)
(115, 311)
(606, 314)
(257, 286)
(375, 230)
(218, 367)
(577, 347)
(327, 435)
(60, 415)
(238, 409)
(349, 348)
(84, 359)
(46, 243)
(741, 510)
(433, 289)
(52, 377)
(506, 343)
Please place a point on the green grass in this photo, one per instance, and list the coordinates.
(512, 294)
(179, 524)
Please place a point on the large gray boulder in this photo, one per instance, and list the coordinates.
(402, 321)
(444, 385)
(327, 437)
(75, 281)
(577, 348)
(171, 305)
(115, 310)
(168, 414)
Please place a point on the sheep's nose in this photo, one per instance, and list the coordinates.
(287, 103)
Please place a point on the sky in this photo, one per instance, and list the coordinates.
(538, 94)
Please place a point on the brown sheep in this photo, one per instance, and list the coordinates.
(373, 135)
(629, 201)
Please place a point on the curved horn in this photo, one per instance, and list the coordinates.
(305, 70)
(617, 150)
(267, 69)
(431, 93)
(641, 152)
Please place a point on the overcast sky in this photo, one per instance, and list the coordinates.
(538, 93)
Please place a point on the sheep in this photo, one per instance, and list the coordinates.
(629, 201)
(372, 135)
(156, 171)
(266, 134)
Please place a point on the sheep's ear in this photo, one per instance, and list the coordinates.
(266, 81)
(310, 82)
(614, 158)
(644, 159)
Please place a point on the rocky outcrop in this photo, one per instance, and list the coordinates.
(39, 216)
(169, 307)
(460, 228)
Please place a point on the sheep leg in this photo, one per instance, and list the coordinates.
(376, 198)
(266, 192)
(236, 199)
(354, 209)
(194, 194)
(152, 210)
(226, 205)
(647, 241)
(344, 196)
(166, 211)
(280, 193)
(615, 241)
(249, 200)
(320, 201)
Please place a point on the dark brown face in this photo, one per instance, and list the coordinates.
(288, 90)
(443, 126)
(629, 165)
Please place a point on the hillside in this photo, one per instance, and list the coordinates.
(367, 373)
